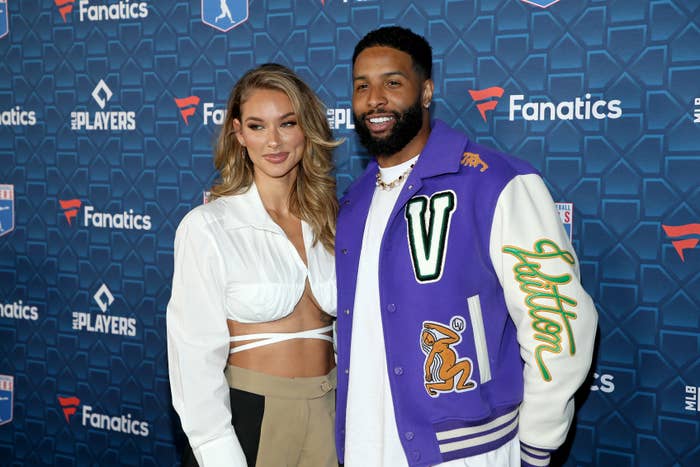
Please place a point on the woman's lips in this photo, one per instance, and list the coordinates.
(276, 158)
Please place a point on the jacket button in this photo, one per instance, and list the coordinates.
(410, 187)
(398, 370)
(347, 370)
(416, 455)
(347, 311)
(391, 307)
(346, 202)
(345, 251)
(409, 435)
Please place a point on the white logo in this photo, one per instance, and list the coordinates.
(121, 424)
(124, 9)
(603, 383)
(125, 220)
(696, 111)
(578, 109)
(104, 324)
(691, 398)
(103, 290)
(213, 115)
(340, 118)
(17, 117)
(104, 121)
(18, 310)
(101, 86)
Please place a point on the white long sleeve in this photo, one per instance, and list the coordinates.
(198, 346)
(555, 317)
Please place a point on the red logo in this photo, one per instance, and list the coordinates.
(187, 106)
(70, 208)
(493, 93)
(69, 405)
(683, 231)
(64, 7)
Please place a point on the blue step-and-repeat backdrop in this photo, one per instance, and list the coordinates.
(108, 110)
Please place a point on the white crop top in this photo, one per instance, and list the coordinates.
(232, 261)
(262, 274)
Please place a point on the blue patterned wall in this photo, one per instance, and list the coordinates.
(108, 110)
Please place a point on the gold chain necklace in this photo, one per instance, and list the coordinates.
(388, 186)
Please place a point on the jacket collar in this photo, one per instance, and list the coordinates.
(441, 154)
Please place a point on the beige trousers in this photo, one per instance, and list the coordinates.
(298, 421)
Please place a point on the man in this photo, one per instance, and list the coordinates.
(463, 330)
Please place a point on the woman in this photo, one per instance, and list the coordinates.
(250, 350)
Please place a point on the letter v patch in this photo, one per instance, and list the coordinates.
(428, 225)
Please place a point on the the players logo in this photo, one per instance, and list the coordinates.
(444, 370)
(7, 391)
(4, 19)
(224, 15)
(7, 209)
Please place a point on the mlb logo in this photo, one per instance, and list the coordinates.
(566, 212)
(224, 15)
(4, 19)
(7, 390)
(7, 209)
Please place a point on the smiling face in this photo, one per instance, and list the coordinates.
(390, 102)
(269, 130)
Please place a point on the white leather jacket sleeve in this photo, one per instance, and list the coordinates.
(555, 317)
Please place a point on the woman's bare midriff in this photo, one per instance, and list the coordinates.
(290, 358)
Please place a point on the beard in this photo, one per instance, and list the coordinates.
(407, 126)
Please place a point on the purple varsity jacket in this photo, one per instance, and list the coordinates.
(477, 279)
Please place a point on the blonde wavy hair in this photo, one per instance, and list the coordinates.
(313, 197)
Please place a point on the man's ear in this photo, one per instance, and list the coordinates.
(427, 93)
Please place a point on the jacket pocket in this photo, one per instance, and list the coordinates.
(479, 333)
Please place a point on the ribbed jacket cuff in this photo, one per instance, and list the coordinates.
(533, 457)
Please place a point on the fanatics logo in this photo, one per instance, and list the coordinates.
(7, 209)
(121, 424)
(123, 9)
(7, 392)
(4, 19)
(125, 220)
(64, 7)
(493, 94)
(541, 3)
(224, 15)
(69, 405)
(683, 231)
(70, 208)
(17, 116)
(188, 106)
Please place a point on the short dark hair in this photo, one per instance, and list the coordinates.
(401, 39)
